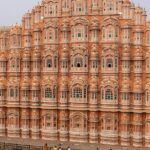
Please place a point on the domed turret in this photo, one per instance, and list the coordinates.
(138, 54)
(94, 52)
(137, 86)
(125, 85)
(126, 53)
(64, 53)
(24, 84)
(35, 82)
(93, 84)
(63, 84)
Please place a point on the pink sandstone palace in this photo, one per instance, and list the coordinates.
(77, 70)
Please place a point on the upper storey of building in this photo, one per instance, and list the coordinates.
(47, 22)
(57, 8)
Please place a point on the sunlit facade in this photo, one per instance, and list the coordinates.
(77, 70)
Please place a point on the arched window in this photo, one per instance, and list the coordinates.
(77, 92)
(78, 62)
(79, 33)
(48, 63)
(13, 64)
(11, 121)
(110, 32)
(78, 123)
(109, 94)
(50, 35)
(47, 121)
(48, 118)
(12, 93)
(109, 63)
(48, 93)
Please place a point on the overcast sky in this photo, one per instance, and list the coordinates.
(11, 11)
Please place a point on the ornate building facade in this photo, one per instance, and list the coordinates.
(77, 70)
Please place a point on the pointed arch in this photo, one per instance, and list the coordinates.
(78, 122)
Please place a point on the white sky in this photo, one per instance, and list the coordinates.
(11, 11)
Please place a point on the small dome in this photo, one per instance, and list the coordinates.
(94, 52)
(26, 54)
(137, 87)
(125, 85)
(25, 83)
(93, 83)
(95, 24)
(138, 55)
(36, 54)
(2, 84)
(63, 84)
(126, 53)
(35, 82)
(13, 82)
(64, 53)
(65, 23)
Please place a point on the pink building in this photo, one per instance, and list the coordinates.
(77, 70)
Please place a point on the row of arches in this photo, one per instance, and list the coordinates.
(80, 30)
(79, 58)
(75, 121)
(81, 7)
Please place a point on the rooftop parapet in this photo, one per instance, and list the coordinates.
(5, 28)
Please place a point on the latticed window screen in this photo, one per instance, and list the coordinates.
(77, 93)
(109, 95)
(48, 93)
